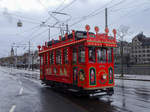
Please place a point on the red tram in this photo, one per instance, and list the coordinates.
(81, 61)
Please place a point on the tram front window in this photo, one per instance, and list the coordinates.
(92, 54)
(74, 55)
(109, 53)
(81, 54)
(51, 55)
(58, 57)
(41, 62)
(101, 55)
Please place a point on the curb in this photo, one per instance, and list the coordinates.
(132, 79)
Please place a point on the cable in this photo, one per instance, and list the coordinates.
(127, 14)
(30, 29)
(34, 31)
(60, 5)
(67, 5)
(19, 16)
(55, 10)
(25, 20)
(62, 9)
(46, 9)
(92, 14)
(86, 16)
(37, 35)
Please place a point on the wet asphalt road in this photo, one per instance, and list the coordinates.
(19, 94)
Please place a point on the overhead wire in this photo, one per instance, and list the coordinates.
(129, 13)
(19, 17)
(55, 11)
(29, 29)
(62, 8)
(38, 34)
(61, 4)
(34, 30)
(68, 5)
(91, 14)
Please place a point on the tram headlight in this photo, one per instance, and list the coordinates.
(104, 77)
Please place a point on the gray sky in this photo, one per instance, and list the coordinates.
(132, 13)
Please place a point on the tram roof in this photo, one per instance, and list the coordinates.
(85, 38)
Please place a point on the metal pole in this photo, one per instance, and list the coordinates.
(121, 56)
(106, 24)
(49, 33)
(16, 57)
(29, 57)
(32, 62)
(67, 29)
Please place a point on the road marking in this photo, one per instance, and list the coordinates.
(21, 90)
(12, 108)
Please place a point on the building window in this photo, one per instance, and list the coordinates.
(81, 54)
(51, 57)
(109, 53)
(92, 54)
(58, 57)
(65, 56)
(74, 55)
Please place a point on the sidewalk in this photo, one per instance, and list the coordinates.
(25, 73)
(133, 77)
(36, 74)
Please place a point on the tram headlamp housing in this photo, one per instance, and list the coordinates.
(104, 77)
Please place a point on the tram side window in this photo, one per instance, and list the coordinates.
(65, 56)
(46, 58)
(81, 54)
(58, 57)
(109, 53)
(51, 58)
(92, 54)
(101, 55)
(41, 58)
(74, 55)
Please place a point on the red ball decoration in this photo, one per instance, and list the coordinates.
(114, 31)
(107, 30)
(87, 27)
(96, 29)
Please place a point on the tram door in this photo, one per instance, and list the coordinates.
(42, 65)
(74, 66)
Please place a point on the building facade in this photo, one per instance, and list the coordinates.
(126, 52)
(140, 53)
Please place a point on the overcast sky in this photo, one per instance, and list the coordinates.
(132, 13)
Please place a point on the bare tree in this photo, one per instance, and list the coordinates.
(121, 33)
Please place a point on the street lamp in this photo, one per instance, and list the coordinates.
(19, 23)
